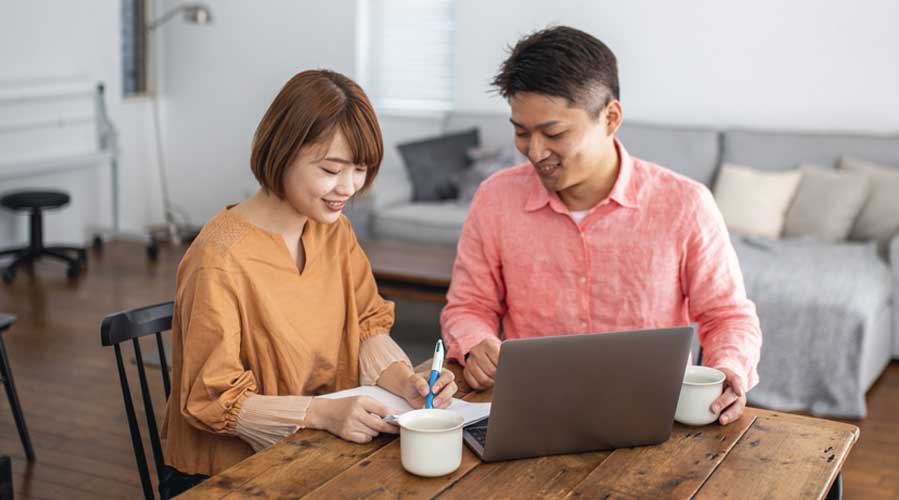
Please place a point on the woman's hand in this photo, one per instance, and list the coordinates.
(399, 379)
(415, 391)
(357, 419)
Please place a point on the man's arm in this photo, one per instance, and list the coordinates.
(475, 302)
(729, 329)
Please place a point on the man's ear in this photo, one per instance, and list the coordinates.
(614, 116)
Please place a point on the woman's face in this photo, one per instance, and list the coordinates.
(322, 179)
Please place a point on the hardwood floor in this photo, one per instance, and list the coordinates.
(73, 405)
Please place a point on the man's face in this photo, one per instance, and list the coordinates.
(564, 143)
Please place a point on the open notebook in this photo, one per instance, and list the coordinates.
(471, 412)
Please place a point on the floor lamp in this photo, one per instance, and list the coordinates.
(193, 13)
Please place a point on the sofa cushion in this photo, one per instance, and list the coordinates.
(423, 222)
(484, 163)
(771, 150)
(693, 152)
(434, 164)
(754, 202)
(826, 203)
(879, 219)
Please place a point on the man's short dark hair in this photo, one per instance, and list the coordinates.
(562, 62)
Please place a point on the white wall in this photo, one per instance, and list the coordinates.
(802, 64)
(791, 65)
(219, 79)
(45, 39)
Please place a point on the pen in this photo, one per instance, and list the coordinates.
(436, 367)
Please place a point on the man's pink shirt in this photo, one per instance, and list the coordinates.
(655, 253)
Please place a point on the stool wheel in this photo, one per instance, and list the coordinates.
(153, 249)
(9, 275)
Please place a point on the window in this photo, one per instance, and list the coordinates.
(405, 56)
(134, 48)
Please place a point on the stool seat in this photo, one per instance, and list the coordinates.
(6, 320)
(35, 202)
(23, 200)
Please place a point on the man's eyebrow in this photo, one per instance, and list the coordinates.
(539, 126)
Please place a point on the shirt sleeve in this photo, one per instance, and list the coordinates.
(376, 315)
(376, 354)
(729, 330)
(476, 298)
(214, 382)
(265, 420)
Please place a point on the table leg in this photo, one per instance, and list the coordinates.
(836, 491)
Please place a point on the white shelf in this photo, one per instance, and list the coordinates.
(41, 166)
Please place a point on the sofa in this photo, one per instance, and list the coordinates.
(829, 311)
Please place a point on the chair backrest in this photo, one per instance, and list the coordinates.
(132, 325)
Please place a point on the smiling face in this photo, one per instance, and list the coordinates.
(322, 179)
(566, 146)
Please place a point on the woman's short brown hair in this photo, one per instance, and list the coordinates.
(309, 110)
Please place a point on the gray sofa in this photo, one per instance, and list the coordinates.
(829, 311)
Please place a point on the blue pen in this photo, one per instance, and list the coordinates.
(436, 367)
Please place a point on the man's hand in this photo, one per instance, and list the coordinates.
(733, 400)
(480, 365)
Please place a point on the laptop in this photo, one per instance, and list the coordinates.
(578, 393)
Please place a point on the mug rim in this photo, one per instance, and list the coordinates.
(719, 376)
(405, 417)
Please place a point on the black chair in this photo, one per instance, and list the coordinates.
(36, 202)
(132, 325)
(6, 489)
(6, 321)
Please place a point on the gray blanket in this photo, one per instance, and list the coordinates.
(817, 303)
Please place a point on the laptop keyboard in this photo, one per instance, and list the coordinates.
(478, 431)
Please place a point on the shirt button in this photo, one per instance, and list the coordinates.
(583, 324)
(583, 280)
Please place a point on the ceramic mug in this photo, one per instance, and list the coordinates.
(701, 387)
(431, 441)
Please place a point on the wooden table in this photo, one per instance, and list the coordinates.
(763, 455)
(411, 270)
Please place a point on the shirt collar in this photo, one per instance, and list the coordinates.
(624, 191)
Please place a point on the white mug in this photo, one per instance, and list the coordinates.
(701, 387)
(431, 441)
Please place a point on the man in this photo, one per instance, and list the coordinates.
(586, 238)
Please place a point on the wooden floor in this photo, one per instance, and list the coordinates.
(73, 404)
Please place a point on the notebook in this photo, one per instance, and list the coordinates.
(471, 412)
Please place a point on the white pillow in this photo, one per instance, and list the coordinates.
(879, 219)
(755, 202)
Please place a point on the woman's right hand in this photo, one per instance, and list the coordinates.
(357, 419)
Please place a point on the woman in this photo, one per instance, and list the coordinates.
(276, 302)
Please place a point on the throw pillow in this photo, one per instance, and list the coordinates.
(827, 203)
(879, 219)
(485, 162)
(755, 202)
(434, 164)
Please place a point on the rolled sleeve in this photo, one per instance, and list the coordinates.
(729, 330)
(475, 302)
